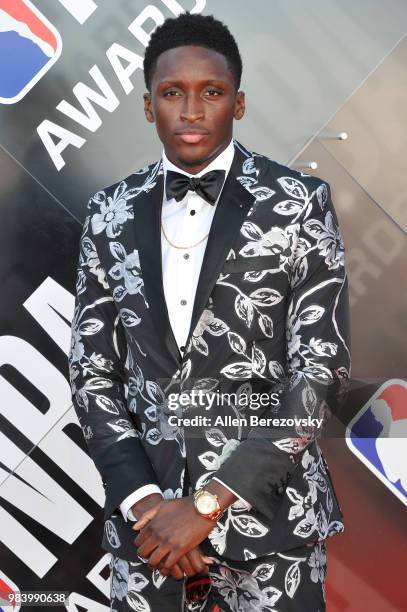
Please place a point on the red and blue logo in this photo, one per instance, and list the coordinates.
(7, 590)
(29, 46)
(377, 435)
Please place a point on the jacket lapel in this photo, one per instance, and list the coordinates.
(147, 225)
(231, 210)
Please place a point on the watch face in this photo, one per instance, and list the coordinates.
(206, 504)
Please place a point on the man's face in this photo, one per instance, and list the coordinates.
(193, 102)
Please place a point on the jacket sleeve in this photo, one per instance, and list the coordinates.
(97, 366)
(317, 367)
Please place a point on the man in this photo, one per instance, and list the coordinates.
(213, 273)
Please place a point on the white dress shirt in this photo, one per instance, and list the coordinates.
(185, 223)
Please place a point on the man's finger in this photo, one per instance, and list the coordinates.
(173, 558)
(195, 558)
(176, 572)
(157, 556)
(186, 566)
(147, 548)
(145, 518)
(142, 536)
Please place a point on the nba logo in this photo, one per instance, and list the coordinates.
(7, 588)
(29, 46)
(377, 435)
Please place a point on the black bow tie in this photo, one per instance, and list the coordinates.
(208, 186)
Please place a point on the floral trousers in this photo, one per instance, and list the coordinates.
(289, 581)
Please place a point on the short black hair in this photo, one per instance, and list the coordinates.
(195, 30)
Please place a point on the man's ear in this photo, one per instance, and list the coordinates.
(148, 110)
(239, 105)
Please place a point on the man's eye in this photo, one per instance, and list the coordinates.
(213, 92)
(171, 93)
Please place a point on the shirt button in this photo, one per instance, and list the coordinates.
(182, 348)
(183, 302)
(192, 212)
(186, 256)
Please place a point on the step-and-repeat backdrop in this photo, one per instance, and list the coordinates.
(71, 122)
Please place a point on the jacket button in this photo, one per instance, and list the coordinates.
(280, 490)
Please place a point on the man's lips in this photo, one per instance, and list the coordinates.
(192, 137)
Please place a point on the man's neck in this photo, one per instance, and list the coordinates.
(198, 165)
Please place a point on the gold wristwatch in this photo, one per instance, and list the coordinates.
(207, 505)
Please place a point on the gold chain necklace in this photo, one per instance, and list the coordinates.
(181, 247)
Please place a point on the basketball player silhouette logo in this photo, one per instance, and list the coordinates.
(377, 435)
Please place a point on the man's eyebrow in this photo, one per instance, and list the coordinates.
(167, 81)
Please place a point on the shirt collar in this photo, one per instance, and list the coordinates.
(222, 162)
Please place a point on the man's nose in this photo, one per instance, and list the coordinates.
(192, 109)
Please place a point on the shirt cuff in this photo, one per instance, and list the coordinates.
(134, 497)
(241, 500)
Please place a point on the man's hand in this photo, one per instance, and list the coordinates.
(171, 536)
(146, 504)
(194, 562)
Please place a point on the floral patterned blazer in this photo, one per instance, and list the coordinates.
(270, 316)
